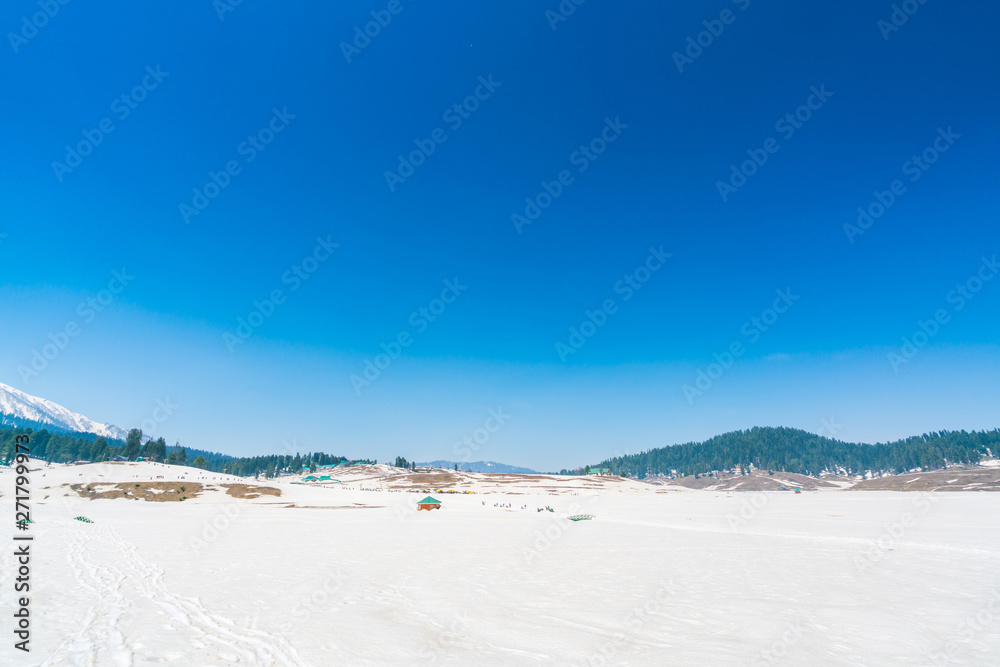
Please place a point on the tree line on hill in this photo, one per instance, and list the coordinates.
(765, 448)
(275, 464)
(67, 447)
(793, 450)
(70, 447)
(401, 462)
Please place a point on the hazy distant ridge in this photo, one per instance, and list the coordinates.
(480, 466)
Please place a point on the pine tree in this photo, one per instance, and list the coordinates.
(133, 443)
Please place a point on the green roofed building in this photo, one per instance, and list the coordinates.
(428, 504)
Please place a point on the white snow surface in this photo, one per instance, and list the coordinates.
(349, 575)
(19, 404)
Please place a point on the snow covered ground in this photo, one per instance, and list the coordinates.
(346, 576)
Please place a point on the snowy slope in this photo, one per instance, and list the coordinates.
(696, 578)
(16, 403)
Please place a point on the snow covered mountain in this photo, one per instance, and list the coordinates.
(16, 405)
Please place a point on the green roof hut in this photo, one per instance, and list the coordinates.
(428, 504)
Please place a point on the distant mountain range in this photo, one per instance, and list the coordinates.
(21, 410)
(479, 466)
(761, 448)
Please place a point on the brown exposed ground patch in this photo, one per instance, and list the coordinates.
(424, 480)
(250, 491)
(157, 492)
(979, 479)
(435, 479)
(755, 481)
(691, 482)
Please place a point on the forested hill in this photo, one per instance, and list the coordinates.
(68, 447)
(61, 446)
(793, 450)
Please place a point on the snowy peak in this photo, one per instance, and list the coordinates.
(16, 403)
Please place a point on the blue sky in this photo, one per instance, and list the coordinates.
(328, 127)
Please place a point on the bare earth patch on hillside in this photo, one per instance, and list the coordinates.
(938, 480)
(157, 492)
(250, 491)
(755, 481)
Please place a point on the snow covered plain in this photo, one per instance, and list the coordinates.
(350, 576)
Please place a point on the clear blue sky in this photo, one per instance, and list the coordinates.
(885, 94)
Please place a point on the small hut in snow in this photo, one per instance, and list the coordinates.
(429, 504)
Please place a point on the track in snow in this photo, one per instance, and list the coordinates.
(100, 640)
